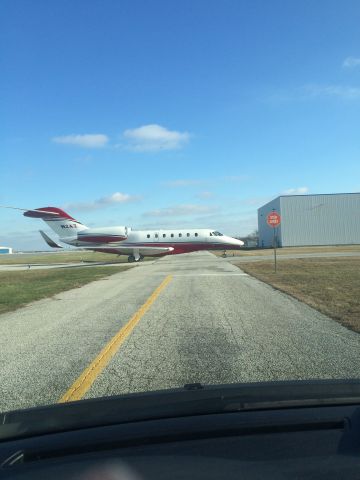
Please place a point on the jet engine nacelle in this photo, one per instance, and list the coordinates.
(104, 234)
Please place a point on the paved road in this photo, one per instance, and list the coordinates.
(232, 259)
(211, 323)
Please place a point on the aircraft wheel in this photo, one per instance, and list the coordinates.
(131, 258)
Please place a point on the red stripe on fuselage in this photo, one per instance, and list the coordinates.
(101, 238)
(178, 247)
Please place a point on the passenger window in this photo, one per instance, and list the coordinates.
(180, 234)
(188, 234)
(164, 235)
(172, 235)
(156, 235)
(196, 234)
(148, 235)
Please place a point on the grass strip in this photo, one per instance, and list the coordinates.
(20, 288)
(60, 257)
(289, 250)
(330, 285)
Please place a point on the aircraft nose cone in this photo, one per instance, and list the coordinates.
(235, 241)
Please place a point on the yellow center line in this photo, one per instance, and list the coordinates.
(89, 375)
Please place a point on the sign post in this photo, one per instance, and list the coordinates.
(273, 219)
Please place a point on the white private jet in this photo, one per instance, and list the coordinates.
(123, 240)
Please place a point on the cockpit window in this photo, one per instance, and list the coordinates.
(216, 234)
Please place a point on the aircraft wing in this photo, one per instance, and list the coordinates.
(49, 241)
(132, 250)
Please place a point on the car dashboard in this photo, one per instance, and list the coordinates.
(308, 442)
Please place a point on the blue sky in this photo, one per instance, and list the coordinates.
(161, 113)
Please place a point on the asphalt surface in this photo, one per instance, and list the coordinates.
(211, 324)
(230, 258)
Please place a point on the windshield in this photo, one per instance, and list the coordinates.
(179, 196)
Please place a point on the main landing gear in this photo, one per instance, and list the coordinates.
(132, 258)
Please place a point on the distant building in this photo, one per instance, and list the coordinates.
(249, 242)
(325, 219)
(6, 250)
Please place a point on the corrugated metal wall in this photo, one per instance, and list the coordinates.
(321, 219)
(314, 220)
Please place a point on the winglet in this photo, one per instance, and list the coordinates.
(49, 241)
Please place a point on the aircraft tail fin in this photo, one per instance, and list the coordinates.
(58, 220)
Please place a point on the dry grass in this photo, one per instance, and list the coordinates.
(290, 250)
(20, 288)
(331, 285)
(62, 257)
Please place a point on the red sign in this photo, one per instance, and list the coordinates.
(273, 219)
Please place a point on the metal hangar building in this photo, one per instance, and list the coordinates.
(324, 219)
(5, 250)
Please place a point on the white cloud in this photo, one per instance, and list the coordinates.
(181, 210)
(152, 138)
(315, 91)
(97, 140)
(235, 178)
(296, 191)
(234, 223)
(117, 197)
(258, 201)
(182, 183)
(341, 91)
(205, 194)
(102, 202)
(351, 62)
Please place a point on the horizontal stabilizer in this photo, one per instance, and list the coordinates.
(49, 241)
(29, 210)
(48, 213)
